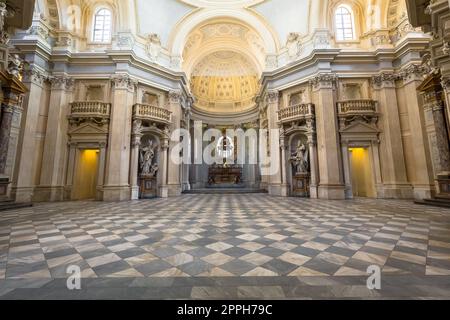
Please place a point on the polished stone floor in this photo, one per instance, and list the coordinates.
(225, 247)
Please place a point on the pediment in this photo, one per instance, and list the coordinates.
(360, 127)
(89, 128)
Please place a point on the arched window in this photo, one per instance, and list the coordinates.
(345, 29)
(102, 26)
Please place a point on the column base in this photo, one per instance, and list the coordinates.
(396, 191)
(48, 194)
(22, 194)
(135, 193)
(313, 192)
(186, 186)
(279, 190)
(424, 192)
(119, 193)
(4, 187)
(174, 190)
(163, 192)
(332, 192)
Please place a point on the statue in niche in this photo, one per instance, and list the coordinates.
(147, 160)
(300, 159)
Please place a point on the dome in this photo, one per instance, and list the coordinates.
(224, 81)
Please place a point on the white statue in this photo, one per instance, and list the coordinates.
(300, 159)
(147, 155)
(15, 65)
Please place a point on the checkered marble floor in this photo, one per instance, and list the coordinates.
(254, 245)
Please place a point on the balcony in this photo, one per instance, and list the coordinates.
(151, 113)
(96, 111)
(350, 108)
(296, 112)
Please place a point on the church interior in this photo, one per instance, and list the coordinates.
(265, 149)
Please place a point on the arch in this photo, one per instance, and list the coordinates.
(182, 30)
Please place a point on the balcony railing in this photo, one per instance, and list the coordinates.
(357, 107)
(90, 109)
(152, 113)
(296, 112)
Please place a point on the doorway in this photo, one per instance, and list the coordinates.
(85, 182)
(361, 171)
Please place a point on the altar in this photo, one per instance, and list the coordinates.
(221, 174)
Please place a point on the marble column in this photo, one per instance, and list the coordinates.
(5, 131)
(347, 170)
(276, 185)
(23, 185)
(117, 184)
(395, 180)
(163, 189)
(446, 87)
(186, 166)
(174, 168)
(438, 134)
(53, 172)
(423, 183)
(313, 165)
(134, 162)
(329, 153)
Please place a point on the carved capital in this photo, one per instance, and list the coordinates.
(273, 96)
(384, 80)
(34, 76)
(446, 84)
(413, 72)
(323, 81)
(124, 82)
(62, 82)
(175, 96)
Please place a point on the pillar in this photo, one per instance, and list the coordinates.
(329, 154)
(347, 170)
(446, 86)
(186, 166)
(174, 168)
(424, 181)
(276, 185)
(117, 185)
(52, 179)
(438, 135)
(163, 189)
(134, 162)
(395, 180)
(23, 185)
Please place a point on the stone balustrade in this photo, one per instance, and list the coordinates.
(296, 112)
(151, 113)
(90, 109)
(363, 107)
